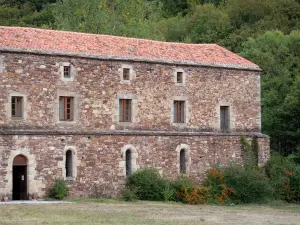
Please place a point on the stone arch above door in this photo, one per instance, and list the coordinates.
(34, 186)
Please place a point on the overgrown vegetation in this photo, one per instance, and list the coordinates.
(234, 184)
(248, 183)
(59, 189)
(148, 184)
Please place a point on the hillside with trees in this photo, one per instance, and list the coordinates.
(266, 32)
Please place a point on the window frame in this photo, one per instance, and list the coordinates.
(126, 74)
(18, 106)
(69, 164)
(179, 111)
(224, 118)
(123, 110)
(128, 162)
(179, 77)
(68, 76)
(65, 108)
(182, 161)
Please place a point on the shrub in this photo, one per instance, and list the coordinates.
(188, 192)
(284, 176)
(236, 184)
(192, 195)
(169, 193)
(249, 184)
(149, 183)
(59, 189)
(129, 193)
(218, 190)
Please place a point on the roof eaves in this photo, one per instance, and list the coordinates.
(123, 58)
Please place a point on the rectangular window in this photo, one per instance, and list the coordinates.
(179, 111)
(67, 72)
(125, 110)
(126, 74)
(224, 118)
(179, 77)
(17, 106)
(66, 108)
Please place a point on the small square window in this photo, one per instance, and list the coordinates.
(66, 108)
(179, 78)
(67, 72)
(126, 74)
(17, 107)
(179, 112)
(125, 110)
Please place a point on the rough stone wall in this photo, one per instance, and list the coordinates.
(99, 158)
(96, 88)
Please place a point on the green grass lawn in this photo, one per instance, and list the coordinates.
(99, 211)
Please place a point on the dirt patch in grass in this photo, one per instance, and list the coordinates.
(116, 212)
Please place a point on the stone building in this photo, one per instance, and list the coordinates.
(93, 108)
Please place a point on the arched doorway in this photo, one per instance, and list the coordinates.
(20, 178)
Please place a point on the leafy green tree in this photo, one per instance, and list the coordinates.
(134, 18)
(279, 57)
(207, 24)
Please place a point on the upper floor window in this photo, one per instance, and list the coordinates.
(179, 116)
(66, 108)
(224, 118)
(125, 110)
(179, 77)
(67, 71)
(126, 74)
(17, 106)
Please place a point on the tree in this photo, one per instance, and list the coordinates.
(207, 24)
(279, 57)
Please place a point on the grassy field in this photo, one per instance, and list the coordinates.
(117, 212)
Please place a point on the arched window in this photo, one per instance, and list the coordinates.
(128, 162)
(182, 161)
(69, 164)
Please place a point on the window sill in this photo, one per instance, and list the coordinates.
(67, 79)
(17, 118)
(179, 124)
(125, 81)
(180, 84)
(125, 123)
(66, 122)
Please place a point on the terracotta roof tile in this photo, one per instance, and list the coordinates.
(106, 46)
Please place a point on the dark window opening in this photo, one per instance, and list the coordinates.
(67, 71)
(182, 161)
(17, 107)
(179, 111)
(126, 74)
(125, 110)
(224, 118)
(128, 162)
(179, 77)
(66, 108)
(69, 164)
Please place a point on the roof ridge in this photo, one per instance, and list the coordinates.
(104, 35)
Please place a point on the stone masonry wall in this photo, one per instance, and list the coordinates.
(99, 158)
(97, 87)
(95, 136)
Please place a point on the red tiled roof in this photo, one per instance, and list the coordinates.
(106, 47)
